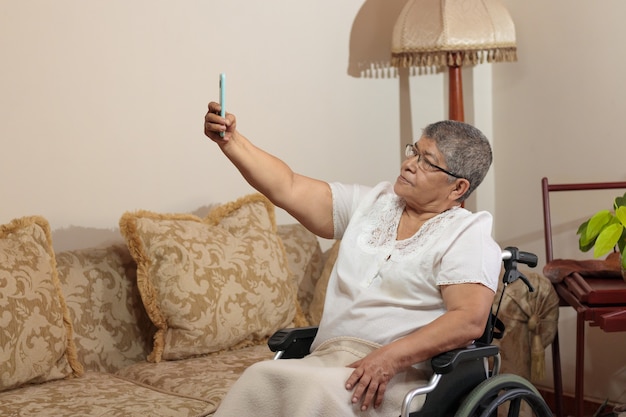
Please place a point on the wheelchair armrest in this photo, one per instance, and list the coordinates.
(446, 388)
(447, 361)
(294, 342)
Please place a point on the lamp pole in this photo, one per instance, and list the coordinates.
(455, 104)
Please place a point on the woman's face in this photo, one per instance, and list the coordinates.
(422, 183)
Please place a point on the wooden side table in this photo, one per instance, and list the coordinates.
(611, 318)
(602, 303)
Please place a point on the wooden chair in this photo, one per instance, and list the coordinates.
(585, 312)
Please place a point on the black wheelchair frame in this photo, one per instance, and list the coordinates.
(462, 384)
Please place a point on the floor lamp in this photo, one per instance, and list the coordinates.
(453, 34)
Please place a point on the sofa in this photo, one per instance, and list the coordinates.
(159, 323)
(99, 331)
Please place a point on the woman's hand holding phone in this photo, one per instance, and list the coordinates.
(222, 97)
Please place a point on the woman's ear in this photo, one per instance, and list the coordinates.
(461, 185)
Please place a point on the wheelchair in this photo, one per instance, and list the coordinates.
(466, 382)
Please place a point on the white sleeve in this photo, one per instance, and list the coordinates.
(472, 255)
(346, 199)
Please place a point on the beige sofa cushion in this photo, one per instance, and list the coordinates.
(208, 377)
(111, 327)
(35, 331)
(208, 284)
(98, 394)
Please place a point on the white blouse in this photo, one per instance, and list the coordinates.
(381, 288)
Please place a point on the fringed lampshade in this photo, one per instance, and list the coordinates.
(453, 33)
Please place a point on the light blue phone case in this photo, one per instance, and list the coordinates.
(223, 97)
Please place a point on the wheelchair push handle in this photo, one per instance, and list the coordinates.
(511, 256)
(511, 253)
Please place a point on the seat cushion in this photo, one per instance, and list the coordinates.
(208, 377)
(99, 394)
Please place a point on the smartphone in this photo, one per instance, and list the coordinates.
(223, 97)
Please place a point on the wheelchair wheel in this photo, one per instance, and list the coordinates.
(499, 392)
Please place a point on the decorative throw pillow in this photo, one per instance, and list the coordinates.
(111, 327)
(209, 284)
(319, 296)
(304, 255)
(36, 342)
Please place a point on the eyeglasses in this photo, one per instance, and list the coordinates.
(411, 152)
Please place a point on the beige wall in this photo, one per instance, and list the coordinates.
(102, 103)
(559, 113)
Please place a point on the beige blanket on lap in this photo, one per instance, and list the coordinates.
(314, 385)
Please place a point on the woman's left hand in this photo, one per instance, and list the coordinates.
(370, 378)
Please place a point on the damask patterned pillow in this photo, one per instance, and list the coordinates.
(316, 309)
(111, 327)
(35, 331)
(305, 261)
(209, 284)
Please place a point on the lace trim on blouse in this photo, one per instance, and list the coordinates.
(380, 227)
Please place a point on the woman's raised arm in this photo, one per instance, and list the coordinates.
(307, 199)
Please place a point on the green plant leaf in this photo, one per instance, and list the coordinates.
(584, 240)
(607, 239)
(582, 228)
(620, 213)
(585, 247)
(619, 201)
(583, 244)
(596, 224)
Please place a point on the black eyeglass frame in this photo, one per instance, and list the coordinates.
(410, 152)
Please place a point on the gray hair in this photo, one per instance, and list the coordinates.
(465, 149)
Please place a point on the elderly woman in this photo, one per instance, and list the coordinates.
(415, 275)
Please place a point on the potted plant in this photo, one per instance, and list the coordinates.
(604, 231)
